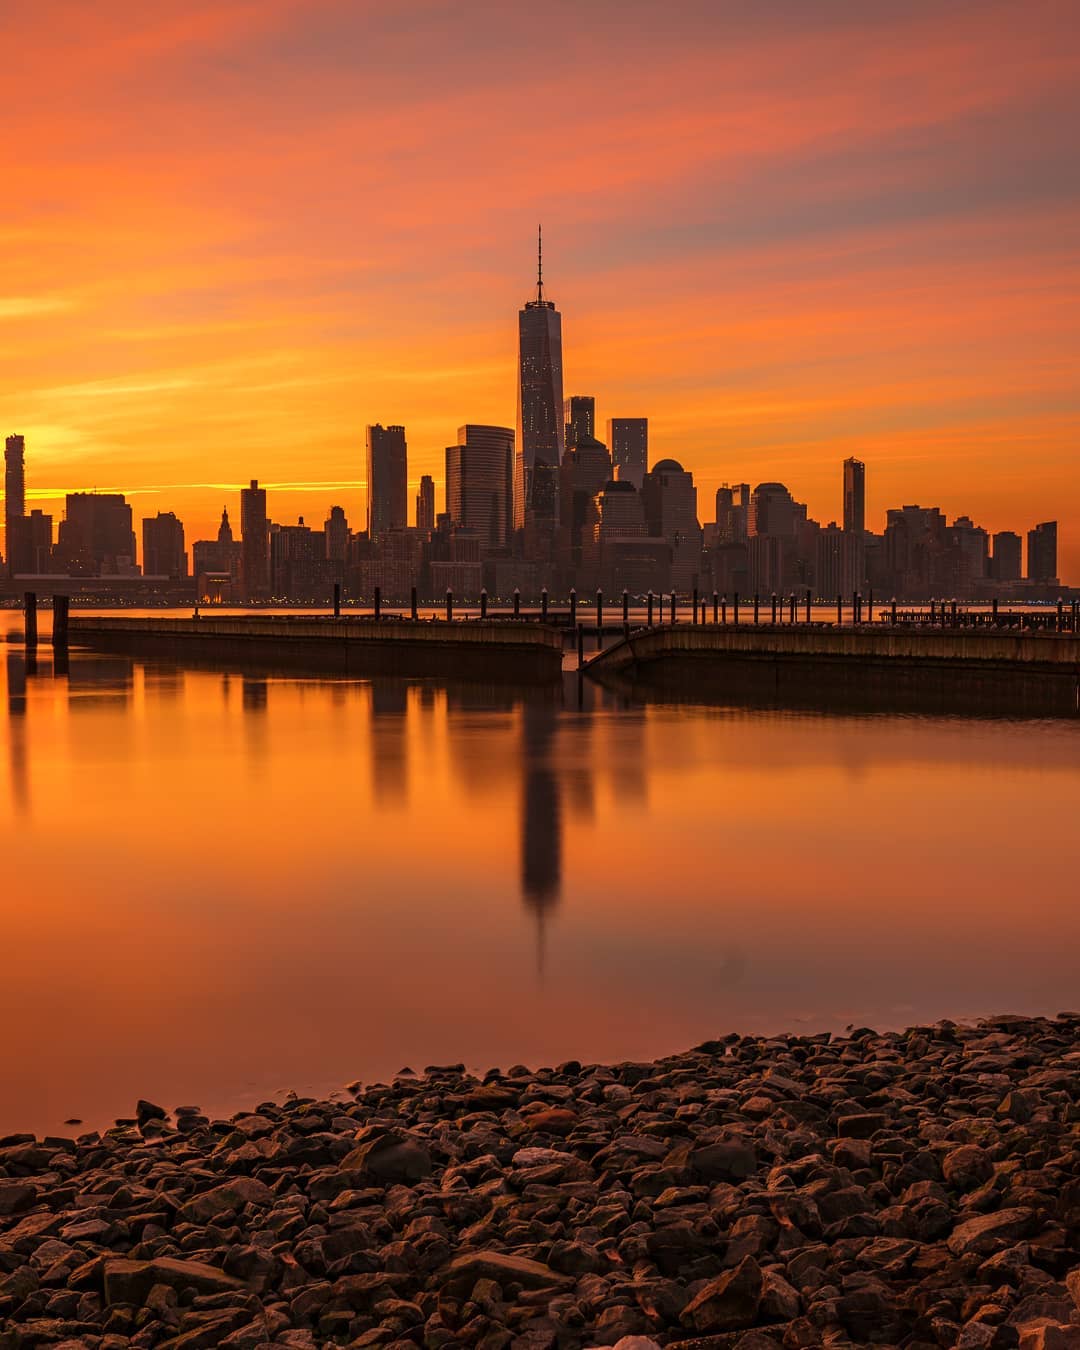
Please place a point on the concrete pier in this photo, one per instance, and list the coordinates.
(902, 666)
(522, 652)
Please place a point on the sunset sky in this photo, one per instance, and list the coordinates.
(234, 233)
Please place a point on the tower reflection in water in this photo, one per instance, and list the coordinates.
(541, 818)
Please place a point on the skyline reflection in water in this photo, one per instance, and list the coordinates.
(219, 886)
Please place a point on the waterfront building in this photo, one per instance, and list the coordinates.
(164, 554)
(732, 511)
(255, 541)
(425, 504)
(913, 542)
(299, 568)
(14, 501)
(854, 495)
(336, 533)
(584, 471)
(628, 440)
(776, 547)
(1005, 561)
(965, 559)
(839, 562)
(670, 500)
(387, 479)
(480, 483)
(96, 536)
(540, 428)
(216, 564)
(580, 415)
(1042, 552)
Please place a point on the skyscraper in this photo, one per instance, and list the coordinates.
(425, 503)
(480, 483)
(96, 538)
(854, 495)
(163, 546)
(670, 500)
(628, 440)
(1005, 564)
(1042, 552)
(541, 434)
(14, 498)
(255, 542)
(580, 413)
(387, 479)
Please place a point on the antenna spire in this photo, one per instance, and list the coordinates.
(539, 264)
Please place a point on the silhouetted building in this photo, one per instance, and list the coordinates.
(732, 511)
(163, 546)
(255, 542)
(216, 564)
(96, 537)
(839, 562)
(964, 559)
(540, 430)
(1006, 561)
(628, 440)
(775, 552)
(336, 535)
(425, 504)
(580, 414)
(1042, 552)
(583, 473)
(299, 568)
(914, 536)
(854, 495)
(14, 500)
(480, 483)
(387, 479)
(670, 501)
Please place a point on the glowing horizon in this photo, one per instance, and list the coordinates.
(237, 233)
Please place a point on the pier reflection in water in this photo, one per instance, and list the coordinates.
(218, 886)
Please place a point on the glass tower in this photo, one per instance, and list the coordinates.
(541, 432)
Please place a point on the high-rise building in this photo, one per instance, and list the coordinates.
(1005, 562)
(14, 498)
(336, 536)
(580, 413)
(540, 429)
(29, 544)
(854, 495)
(299, 568)
(95, 535)
(628, 440)
(163, 546)
(216, 563)
(670, 500)
(387, 479)
(1042, 552)
(480, 483)
(425, 504)
(255, 542)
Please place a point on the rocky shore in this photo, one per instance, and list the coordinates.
(917, 1189)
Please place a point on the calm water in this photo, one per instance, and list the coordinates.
(218, 887)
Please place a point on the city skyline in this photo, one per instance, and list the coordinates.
(788, 265)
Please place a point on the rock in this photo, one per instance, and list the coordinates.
(729, 1302)
(232, 1195)
(127, 1281)
(147, 1111)
(392, 1157)
(724, 1160)
(967, 1167)
(502, 1267)
(1051, 1336)
(987, 1232)
(861, 1125)
(14, 1198)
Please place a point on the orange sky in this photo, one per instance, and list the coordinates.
(235, 232)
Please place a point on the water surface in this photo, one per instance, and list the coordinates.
(217, 886)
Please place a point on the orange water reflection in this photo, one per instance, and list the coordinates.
(220, 886)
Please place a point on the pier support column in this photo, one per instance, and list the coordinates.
(412, 603)
(543, 605)
(337, 599)
(573, 607)
(715, 608)
(60, 621)
(649, 618)
(377, 606)
(449, 604)
(30, 619)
